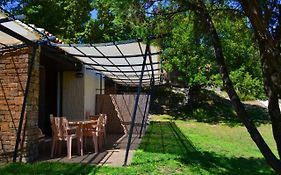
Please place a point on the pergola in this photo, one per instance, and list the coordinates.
(132, 63)
(123, 62)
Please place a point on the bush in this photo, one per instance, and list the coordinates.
(167, 99)
(247, 87)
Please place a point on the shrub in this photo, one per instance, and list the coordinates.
(247, 87)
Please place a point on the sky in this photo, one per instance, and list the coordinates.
(10, 5)
(94, 14)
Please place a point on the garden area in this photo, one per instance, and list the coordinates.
(206, 141)
(176, 147)
(215, 107)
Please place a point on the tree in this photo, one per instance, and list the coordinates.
(106, 27)
(265, 18)
(189, 51)
(63, 18)
(271, 159)
(185, 45)
(261, 16)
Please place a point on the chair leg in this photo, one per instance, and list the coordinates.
(100, 141)
(95, 140)
(59, 145)
(68, 145)
(80, 145)
(53, 147)
(84, 143)
(104, 135)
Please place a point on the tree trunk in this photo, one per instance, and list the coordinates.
(194, 95)
(272, 94)
(271, 159)
(271, 63)
(274, 113)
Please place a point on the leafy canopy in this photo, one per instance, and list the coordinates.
(187, 48)
(64, 18)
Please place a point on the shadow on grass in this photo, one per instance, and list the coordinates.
(214, 109)
(166, 138)
(51, 168)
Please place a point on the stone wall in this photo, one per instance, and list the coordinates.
(13, 78)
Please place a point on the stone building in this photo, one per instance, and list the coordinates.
(39, 77)
(37, 80)
(13, 79)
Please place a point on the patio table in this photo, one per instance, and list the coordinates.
(81, 124)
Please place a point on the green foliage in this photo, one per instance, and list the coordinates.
(187, 49)
(63, 18)
(247, 87)
(107, 26)
(213, 108)
(239, 47)
(241, 54)
(166, 99)
(189, 54)
(128, 19)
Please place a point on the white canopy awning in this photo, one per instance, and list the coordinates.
(19, 29)
(122, 62)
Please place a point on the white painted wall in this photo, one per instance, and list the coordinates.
(79, 94)
(73, 96)
(92, 84)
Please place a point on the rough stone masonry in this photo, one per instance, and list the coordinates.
(13, 78)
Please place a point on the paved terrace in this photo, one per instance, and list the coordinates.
(113, 152)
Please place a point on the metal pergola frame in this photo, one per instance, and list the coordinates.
(112, 70)
(135, 106)
(124, 78)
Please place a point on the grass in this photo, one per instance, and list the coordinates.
(176, 147)
(42, 168)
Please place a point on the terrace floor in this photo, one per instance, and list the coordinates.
(113, 152)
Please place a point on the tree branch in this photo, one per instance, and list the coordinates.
(238, 12)
(278, 28)
(167, 14)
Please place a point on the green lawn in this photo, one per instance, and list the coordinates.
(177, 147)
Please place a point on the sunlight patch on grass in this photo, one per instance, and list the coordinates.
(225, 140)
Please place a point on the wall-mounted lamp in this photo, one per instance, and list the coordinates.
(79, 75)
